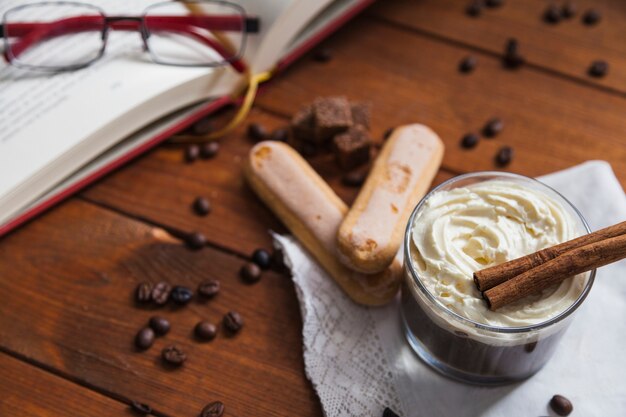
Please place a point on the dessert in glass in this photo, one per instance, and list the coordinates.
(469, 223)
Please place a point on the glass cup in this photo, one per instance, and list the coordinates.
(464, 349)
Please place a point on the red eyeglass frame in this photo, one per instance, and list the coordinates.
(30, 34)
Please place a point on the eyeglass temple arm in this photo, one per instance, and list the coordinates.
(32, 33)
(220, 23)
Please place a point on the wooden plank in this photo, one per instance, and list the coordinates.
(568, 47)
(550, 122)
(28, 391)
(70, 276)
(160, 187)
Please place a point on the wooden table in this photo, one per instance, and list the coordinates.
(67, 319)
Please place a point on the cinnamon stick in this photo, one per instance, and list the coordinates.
(495, 275)
(570, 263)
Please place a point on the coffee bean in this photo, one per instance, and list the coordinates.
(512, 47)
(493, 127)
(205, 330)
(160, 325)
(161, 293)
(470, 140)
(192, 152)
(144, 338)
(494, 3)
(389, 413)
(201, 127)
(513, 61)
(209, 288)
(209, 150)
(354, 178)
(196, 240)
(598, 68)
(201, 206)
(262, 258)
(467, 64)
(504, 156)
(591, 17)
(232, 322)
(568, 10)
(140, 408)
(322, 55)
(280, 135)
(214, 409)
(181, 295)
(552, 14)
(173, 355)
(250, 272)
(561, 405)
(257, 132)
(143, 293)
(474, 9)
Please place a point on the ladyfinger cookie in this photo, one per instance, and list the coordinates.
(313, 212)
(372, 232)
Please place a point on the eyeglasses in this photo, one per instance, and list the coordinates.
(65, 35)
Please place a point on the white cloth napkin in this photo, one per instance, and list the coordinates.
(359, 362)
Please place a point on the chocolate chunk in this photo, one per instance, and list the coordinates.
(504, 156)
(196, 240)
(331, 115)
(598, 69)
(467, 64)
(493, 127)
(205, 330)
(201, 206)
(214, 409)
(250, 272)
(552, 14)
(389, 413)
(192, 152)
(322, 55)
(209, 150)
(143, 293)
(352, 148)
(302, 124)
(568, 10)
(592, 17)
(470, 140)
(361, 114)
(201, 127)
(280, 135)
(262, 258)
(233, 322)
(173, 355)
(161, 293)
(257, 132)
(144, 338)
(209, 288)
(494, 3)
(160, 325)
(474, 9)
(355, 178)
(561, 405)
(140, 408)
(530, 347)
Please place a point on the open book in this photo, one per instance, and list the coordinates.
(61, 131)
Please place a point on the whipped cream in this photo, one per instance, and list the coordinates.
(467, 229)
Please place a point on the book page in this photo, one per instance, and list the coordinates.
(43, 116)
